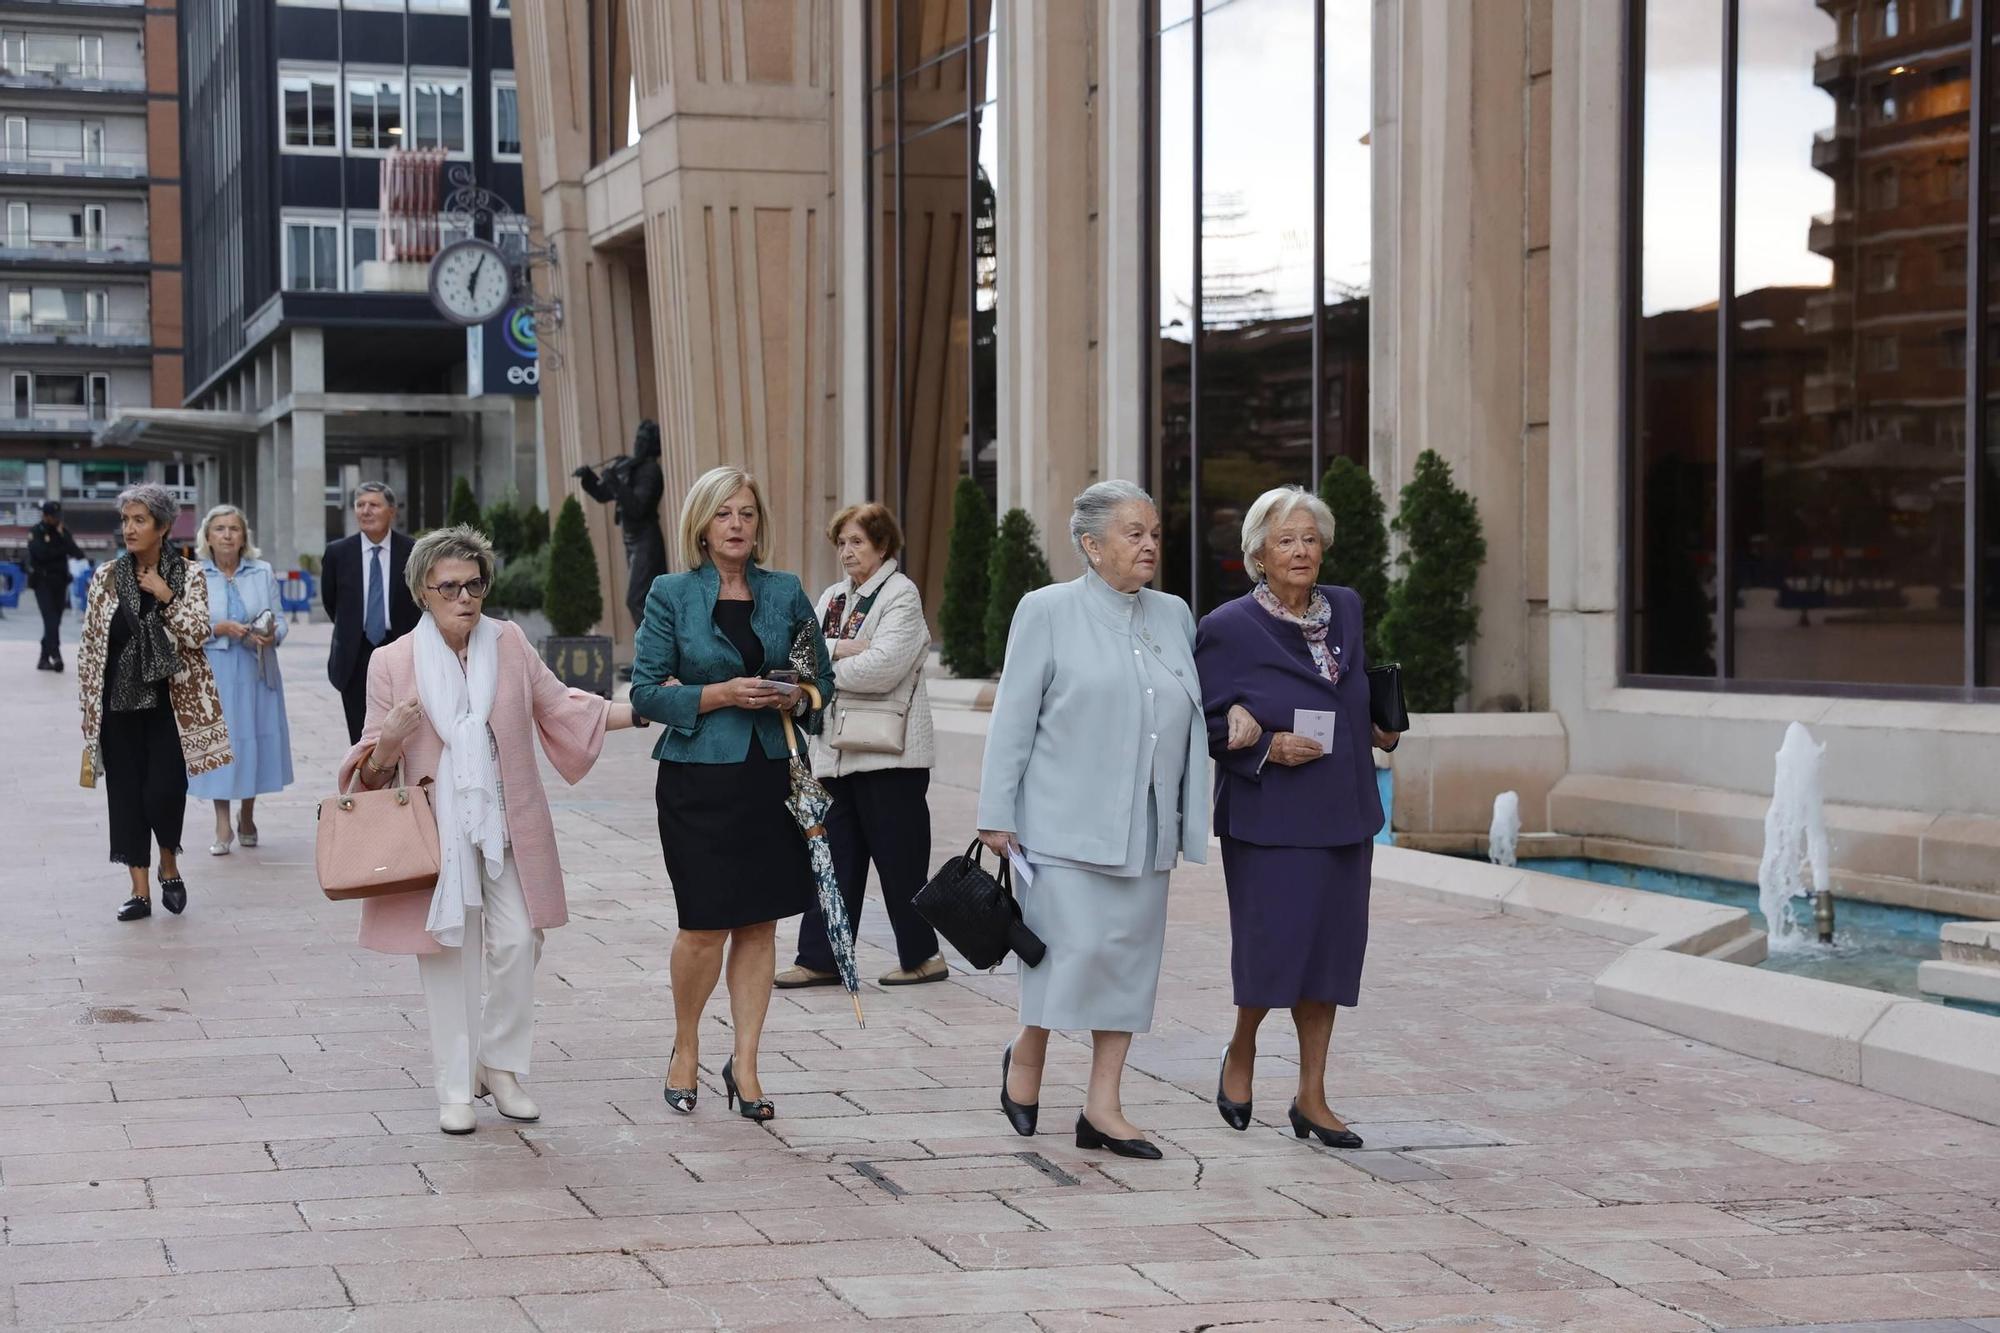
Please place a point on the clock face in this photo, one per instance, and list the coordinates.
(470, 282)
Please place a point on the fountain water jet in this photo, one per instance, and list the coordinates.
(1795, 853)
(1505, 832)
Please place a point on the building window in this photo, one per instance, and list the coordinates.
(511, 235)
(99, 481)
(1807, 349)
(312, 254)
(1950, 11)
(21, 479)
(310, 111)
(374, 113)
(438, 6)
(364, 243)
(437, 112)
(501, 9)
(506, 120)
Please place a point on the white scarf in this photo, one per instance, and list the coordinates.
(471, 826)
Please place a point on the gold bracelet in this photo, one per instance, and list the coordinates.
(373, 768)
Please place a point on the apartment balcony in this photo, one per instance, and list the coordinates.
(1829, 310)
(1832, 147)
(80, 423)
(1828, 392)
(1831, 233)
(73, 166)
(72, 76)
(74, 252)
(1834, 64)
(79, 333)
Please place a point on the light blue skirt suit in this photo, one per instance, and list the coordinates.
(260, 736)
(1097, 761)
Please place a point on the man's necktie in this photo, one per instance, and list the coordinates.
(375, 618)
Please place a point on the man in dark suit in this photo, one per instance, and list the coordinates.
(361, 585)
(50, 549)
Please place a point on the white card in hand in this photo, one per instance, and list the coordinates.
(1315, 725)
(1022, 870)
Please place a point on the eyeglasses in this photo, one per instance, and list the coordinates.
(475, 589)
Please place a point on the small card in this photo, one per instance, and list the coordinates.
(1022, 870)
(1315, 725)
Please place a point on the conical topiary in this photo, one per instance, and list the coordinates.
(1359, 556)
(962, 618)
(464, 509)
(574, 599)
(1018, 568)
(503, 523)
(1432, 614)
(535, 528)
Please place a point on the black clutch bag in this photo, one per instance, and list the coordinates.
(1385, 697)
(977, 913)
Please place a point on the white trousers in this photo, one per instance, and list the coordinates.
(481, 998)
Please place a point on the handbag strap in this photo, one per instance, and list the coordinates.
(1006, 867)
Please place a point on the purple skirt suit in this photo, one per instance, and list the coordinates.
(1298, 842)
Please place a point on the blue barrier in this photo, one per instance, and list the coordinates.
(297, 591)
(13, 579)
(79, 589)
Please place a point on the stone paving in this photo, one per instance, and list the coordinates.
(220, 1122)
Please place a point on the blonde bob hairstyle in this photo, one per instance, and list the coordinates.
(201, 551)
(441, 544)
(708, 494)
(1274, 507)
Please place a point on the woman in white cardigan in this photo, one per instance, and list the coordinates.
(875, 752)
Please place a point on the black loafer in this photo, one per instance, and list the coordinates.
(1090, 1136)
(1021, 1115)
(174, 894)
(136, 909)
(1332, 1138)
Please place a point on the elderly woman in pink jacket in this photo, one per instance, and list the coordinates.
(461, 701)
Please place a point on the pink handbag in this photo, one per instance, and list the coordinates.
(373, 843)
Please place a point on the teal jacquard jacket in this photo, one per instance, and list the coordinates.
(678, 639)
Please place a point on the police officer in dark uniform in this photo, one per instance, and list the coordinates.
(50, 549)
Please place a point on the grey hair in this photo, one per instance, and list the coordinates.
(441, 544)
(1090, 514)
(1274, 507)
(381, 488)
(224, 511)
(159, 502)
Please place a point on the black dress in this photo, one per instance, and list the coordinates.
(145, 773)
(734, 853)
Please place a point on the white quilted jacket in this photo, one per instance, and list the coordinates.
(899, 643)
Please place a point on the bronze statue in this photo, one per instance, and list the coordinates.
(635, 484)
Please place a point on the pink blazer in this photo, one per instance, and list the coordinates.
(529, 701)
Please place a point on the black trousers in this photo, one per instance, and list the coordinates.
(145, 782)
(51, 601)
(883, 817)
(354, 694)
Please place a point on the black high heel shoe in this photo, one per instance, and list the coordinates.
(681, 1099)
(173, 894)
(1235, 1114)
(1332, 1138)
(1090, 1136)
(759, 1110)
(1021, 1115)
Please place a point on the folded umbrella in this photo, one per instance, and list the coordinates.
(809, 801)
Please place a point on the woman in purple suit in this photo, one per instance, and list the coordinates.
(1297, 817)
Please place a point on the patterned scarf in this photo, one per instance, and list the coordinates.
(1317, 620)
(149, 658)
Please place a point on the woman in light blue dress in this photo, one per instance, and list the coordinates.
(240, 588)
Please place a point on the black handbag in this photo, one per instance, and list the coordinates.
(1385, 697)
(977, 913)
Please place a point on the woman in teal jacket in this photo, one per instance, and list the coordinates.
(736, 858)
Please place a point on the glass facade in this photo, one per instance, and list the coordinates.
(1802, 356)
(1261, 195)
(933, 180)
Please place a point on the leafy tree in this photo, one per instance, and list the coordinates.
(962, 618)
(1359, 556)
(504, 524)
(573, 599)
(534, 528)
(464, 509)
(1432, 612)
(1017, 569)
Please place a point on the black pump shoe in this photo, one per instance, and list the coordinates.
(136, 909)
(1021, 1115)
(1090, 1136)
(174, 894)
(1234, 1114)
(759, 1110)
(1332, 1138)
(681, 1099)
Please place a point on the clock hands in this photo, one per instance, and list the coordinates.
(472, 281)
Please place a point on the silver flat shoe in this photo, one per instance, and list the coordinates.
(247, 839)
(218, 849)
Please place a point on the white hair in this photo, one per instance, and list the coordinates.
(1090, 514)
(1274, 507)
(249, 551)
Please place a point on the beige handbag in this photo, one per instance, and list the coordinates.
(373, 843)
(873, 723)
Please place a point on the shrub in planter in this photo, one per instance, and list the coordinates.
(504, 525)
(521, 583)
(1432, 614)
(962, 618)
(534, 528)
(1359, 556)
(464, 509)
(573, 600)
(1018, 568)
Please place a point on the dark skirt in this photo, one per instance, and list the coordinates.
(1298, 922)
(733, 851)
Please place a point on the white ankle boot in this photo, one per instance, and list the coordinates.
(508, 1098)
(457, 1118)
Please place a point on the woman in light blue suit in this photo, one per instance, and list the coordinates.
(1096, 772)
(245, 662)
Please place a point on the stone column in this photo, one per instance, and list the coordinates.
(1123, 48)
